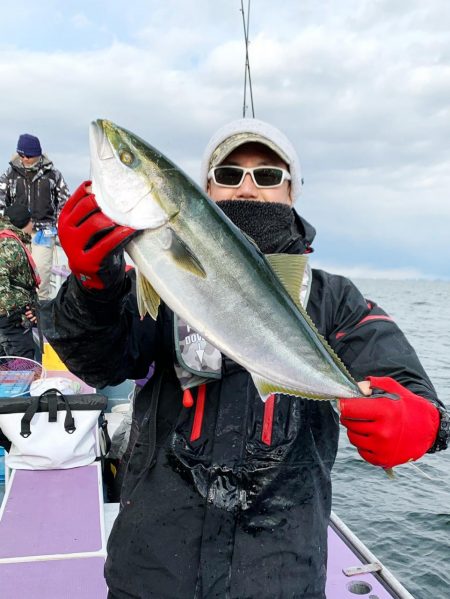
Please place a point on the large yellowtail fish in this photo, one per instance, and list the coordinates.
(209, 273)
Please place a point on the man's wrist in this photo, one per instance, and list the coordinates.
(110, 293)
(101, 306)
(443, 435)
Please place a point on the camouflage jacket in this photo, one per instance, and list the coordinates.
(17, 287)
(41, 188)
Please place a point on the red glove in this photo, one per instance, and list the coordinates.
(393, 429)
(91, 240)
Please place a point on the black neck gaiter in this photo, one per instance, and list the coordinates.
(267, 223)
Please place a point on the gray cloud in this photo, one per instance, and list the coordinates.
(362, 90)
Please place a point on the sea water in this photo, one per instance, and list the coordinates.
(405, 522)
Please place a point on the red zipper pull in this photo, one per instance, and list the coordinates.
(188, 400)
(199, 411)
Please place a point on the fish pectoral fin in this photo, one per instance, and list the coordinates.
(267, 388)
(290, 269)
(184, 258)
(147, 299)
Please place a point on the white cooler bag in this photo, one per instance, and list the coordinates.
(51, 431)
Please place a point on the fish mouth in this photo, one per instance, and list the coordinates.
(99, 141)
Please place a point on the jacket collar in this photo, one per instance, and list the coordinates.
(44, 164)
(301, 237)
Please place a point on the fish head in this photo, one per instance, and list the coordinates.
(129, 177)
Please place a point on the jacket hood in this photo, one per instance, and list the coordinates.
(305, 228)
(44, 163)
(301, 236)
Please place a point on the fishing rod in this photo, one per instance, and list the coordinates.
(247, 74)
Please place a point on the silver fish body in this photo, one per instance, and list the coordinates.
(209, 273)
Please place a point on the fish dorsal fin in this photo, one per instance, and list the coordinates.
(290, 269)
(183, 256)
(147, 299)
(336, 359)
(267, 388)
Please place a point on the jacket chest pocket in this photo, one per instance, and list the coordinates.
(45, 189)
(273, 427)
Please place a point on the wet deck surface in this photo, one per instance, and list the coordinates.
(59, 513)
(52, 542)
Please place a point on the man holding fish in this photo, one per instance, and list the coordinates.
(227, 492)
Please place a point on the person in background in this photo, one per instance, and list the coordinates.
(224, 495)
(32, 181)
(18, 283)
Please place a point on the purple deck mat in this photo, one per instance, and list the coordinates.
(340, 586)
(52, 512)
(54, 579)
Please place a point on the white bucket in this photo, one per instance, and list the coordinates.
(121, 408)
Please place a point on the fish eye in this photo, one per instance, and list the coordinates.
(126, 157)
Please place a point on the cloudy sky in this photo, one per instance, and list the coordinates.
(362, 88)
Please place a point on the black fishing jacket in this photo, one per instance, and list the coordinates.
(231, 497)
(41, 189)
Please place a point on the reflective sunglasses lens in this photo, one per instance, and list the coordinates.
(268, 177)
(228, 175)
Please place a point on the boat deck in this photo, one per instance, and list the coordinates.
(53, 530)
(54, 525)
(52, 535)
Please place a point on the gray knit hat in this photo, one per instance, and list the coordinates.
(242, 131)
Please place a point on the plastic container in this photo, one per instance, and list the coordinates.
(17, 374)
(121, 408)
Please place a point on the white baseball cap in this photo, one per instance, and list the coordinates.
(242, 131)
